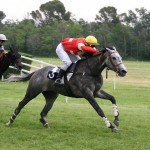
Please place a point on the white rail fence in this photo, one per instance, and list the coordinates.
(40, 63)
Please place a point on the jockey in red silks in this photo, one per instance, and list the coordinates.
(69, 50)
(2, 40)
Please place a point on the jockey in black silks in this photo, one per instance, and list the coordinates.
(2, 40)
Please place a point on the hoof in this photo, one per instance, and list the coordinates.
(116, 122)
(46, 125)
(115, 130)
(7, 124)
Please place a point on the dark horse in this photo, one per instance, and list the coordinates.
(86, 82)
(11, 58)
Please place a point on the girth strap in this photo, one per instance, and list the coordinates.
(67, 87)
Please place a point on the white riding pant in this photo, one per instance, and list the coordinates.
(67, 58)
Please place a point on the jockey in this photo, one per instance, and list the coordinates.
(69, 50)
(2, 40)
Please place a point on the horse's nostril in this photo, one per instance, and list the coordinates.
(124, 71)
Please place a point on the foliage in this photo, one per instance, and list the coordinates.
(52, 11)
(39, 36)
(2, 16)
(76, 125)
(108, 15)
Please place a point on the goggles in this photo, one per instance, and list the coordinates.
(2, 41)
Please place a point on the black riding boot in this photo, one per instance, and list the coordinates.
(60, 75)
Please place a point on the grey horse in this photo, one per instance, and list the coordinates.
(86, 82)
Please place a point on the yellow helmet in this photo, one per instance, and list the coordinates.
(91, 40)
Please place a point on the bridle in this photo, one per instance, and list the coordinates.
(13, 58)
(115, 66)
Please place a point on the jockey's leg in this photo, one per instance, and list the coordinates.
(60, 75)
(64, 56)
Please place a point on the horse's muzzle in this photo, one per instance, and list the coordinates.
(122, 72)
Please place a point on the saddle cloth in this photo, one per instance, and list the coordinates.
(54, 73)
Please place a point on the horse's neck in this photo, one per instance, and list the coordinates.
(93, 65)
(97, 63)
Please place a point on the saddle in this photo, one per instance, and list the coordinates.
(65, 79)
(68, 73)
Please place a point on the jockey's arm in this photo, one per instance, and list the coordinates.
(86, 49)
(3, 51)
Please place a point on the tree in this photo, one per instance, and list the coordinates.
(124, 38)
(107, 15)
(36, 15)
(129, 19)
(2, 16)
(51, 11)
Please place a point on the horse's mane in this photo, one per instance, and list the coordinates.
(103, 50)
(88, 55)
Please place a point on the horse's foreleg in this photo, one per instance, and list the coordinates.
(102, 94)
(50, 99)
(116, 114)
(92, 101)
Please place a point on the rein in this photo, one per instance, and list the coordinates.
(84, 72)
(88, 66)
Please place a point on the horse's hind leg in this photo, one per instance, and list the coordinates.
(50, 99)
(28, 97)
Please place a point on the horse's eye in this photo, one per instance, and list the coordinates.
(114, 58)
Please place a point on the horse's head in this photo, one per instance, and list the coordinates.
(114, 61)
(15, 58)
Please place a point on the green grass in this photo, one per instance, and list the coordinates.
(75, 125)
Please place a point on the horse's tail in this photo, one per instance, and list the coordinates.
(18, 78)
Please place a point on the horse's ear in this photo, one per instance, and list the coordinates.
(11, 49)
(17, 49)
(114, 48)
(111, 48)
(104, 49)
